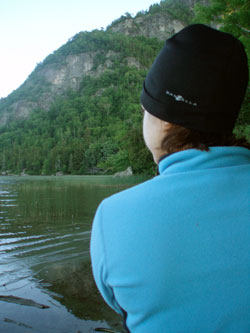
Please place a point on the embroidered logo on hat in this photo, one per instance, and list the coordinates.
(179, 98)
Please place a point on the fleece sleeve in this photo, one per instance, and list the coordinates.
(98, 260)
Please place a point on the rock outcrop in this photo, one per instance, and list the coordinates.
(125, 173)
(160, 26)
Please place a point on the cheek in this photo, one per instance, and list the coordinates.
(150, 133)
(146, 131)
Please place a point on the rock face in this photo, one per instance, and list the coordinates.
(125, 173)
(55, 80)
(70, 74)
(160, 26)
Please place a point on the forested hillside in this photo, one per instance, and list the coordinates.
(96, 127)
(79, 111)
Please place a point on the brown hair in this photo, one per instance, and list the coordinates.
(178, 138)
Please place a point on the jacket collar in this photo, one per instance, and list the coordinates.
(194, 159)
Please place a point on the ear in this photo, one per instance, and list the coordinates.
(165, 125)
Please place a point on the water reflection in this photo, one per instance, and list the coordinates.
(44, 254)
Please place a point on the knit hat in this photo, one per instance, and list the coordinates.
(198, 80)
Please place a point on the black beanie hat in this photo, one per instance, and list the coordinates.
(198, 80)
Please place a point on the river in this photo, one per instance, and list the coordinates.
(46, 283)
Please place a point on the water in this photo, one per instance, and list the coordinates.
(45, 227)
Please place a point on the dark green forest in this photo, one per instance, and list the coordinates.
(97, 129)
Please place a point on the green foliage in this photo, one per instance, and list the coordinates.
(123, 18)
(178, 9)
(233, 15)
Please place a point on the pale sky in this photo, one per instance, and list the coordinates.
(32, 29)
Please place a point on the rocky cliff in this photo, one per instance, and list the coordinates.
(159, 25)
(57, 75)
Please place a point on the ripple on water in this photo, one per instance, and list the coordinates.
(44, 246)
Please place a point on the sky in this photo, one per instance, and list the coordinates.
(32, 29)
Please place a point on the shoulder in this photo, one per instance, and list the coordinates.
(131, 195)
(128, 204)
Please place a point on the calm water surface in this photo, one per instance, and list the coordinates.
(45, 225)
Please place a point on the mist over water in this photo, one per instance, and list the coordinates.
(45, 225)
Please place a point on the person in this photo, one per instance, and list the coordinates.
(172, 254)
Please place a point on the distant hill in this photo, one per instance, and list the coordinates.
(78, 112)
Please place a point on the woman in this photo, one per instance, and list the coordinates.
(173, 254)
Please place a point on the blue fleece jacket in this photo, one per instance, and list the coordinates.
(174, 252)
